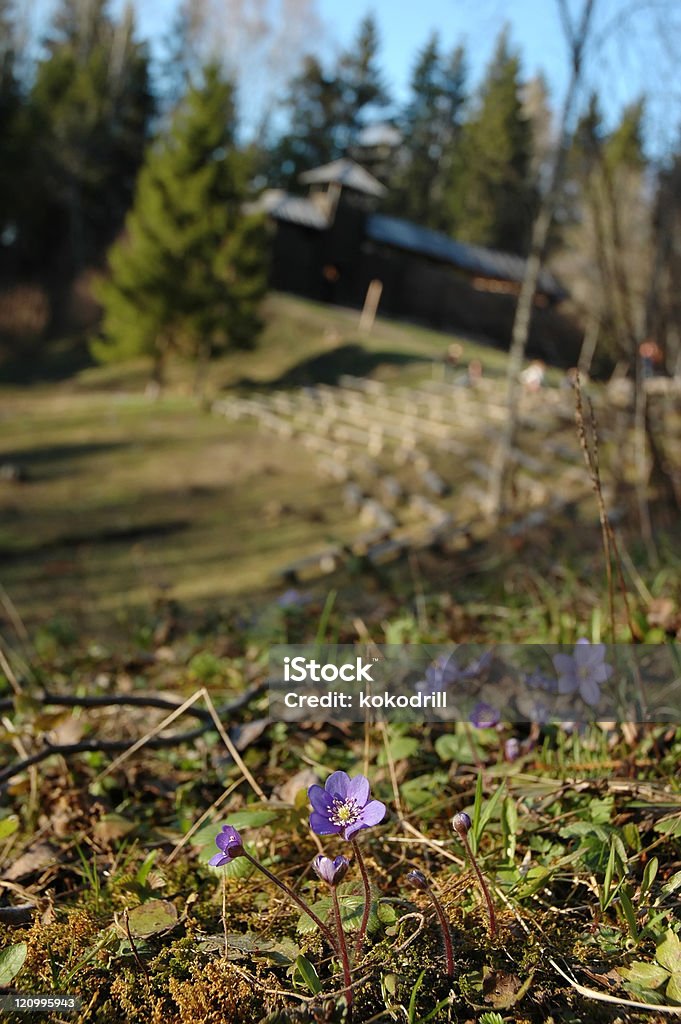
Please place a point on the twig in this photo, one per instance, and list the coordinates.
(591, 993)
(138, 960)
(9, 672)
(116, 746)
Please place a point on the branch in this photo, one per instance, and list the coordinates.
(116, 746)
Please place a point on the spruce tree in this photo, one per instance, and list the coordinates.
(188, 275)
(491, 197)
(91, 105)
(430, 130)
(11, 134)
(327, 108)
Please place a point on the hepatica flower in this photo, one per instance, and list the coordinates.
(484, 716)
(445, 671)
(583, 671)
(331, 871)
(230, 844)
(343, 805)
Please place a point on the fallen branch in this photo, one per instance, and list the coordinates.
(603, 997)
(117, 746)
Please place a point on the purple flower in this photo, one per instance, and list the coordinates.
(293, 599)
(439, 675)
(229, 842)
(343, 805)
(461, 823)
(484, 716)
(536, 680)
(512, 749)
(583, 671)
(445, 670)
(331, 871)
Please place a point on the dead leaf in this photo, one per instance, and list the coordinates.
(36, 858)
(503, 990)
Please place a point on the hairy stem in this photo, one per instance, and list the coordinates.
(342, 946)
(367, 899)
(293, 895)
(483, 885)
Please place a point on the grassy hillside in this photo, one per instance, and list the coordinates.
(124, 501)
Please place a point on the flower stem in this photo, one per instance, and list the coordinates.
(367, 898)
(342, 947)
(293, 895)
(446, 933)
(483, 884)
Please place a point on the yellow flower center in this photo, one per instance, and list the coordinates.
(344, 812)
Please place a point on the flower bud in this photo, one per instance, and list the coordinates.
(461, 823)
(418, 880)
(331, 871)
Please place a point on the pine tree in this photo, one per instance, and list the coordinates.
(190, 271)
(361, 82)
(312, 134)
(91, 105)
(491, 197)
(11, 140)
(328, 107)
(430, 129)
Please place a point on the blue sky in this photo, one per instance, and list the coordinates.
(633, 56)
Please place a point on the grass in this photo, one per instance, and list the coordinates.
(138, 554)
(128, 500)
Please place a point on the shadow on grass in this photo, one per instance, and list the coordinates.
(46, 362)
(329, 367)
(108, 535)
(48, 453)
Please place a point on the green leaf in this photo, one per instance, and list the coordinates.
(670, 886)
(308, 973)
(145, 867)
(632, 836)
(535, 880)
(673, 990)
(385, 912)
(8, 826)
(509, 822)
(668, 953)
(352, 908)
(649, 876)
(644, 975)
(411, 1012)
(629, 914)
(152, 917)
(400, 747)
(607, 882)
(11, 962)
(254, 817)
(670, 826)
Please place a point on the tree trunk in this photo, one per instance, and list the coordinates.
(540, 231)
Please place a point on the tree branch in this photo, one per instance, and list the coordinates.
(116, 746)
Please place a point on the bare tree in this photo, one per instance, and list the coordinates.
(577, 36)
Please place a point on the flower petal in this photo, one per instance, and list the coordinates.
(564, 664)
(337, 784)
(601, 673)
(320, 824)
(227, 838)
(319, 798)
(373, 813)
(589, 692)
(218, 859)
(358, 790)
(355, 827)
(568, 684)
